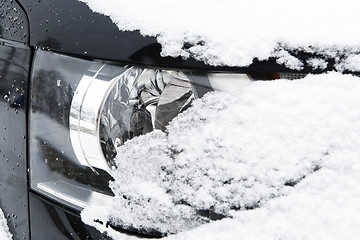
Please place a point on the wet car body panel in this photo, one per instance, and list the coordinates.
(14, 70)
(15, 58)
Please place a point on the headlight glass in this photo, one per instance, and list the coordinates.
(81, 110)
(55, 170)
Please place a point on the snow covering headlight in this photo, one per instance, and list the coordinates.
(81, 110)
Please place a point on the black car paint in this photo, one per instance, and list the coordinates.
(15, 58)
(14, 70)
(69, 27)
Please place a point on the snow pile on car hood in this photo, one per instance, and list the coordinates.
(233, 33)
(289, 150)
(4, 229)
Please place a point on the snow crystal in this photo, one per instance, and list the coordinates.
(4, 229)
(233, 33)
(317, 63)
(280, 158)
(351, 62)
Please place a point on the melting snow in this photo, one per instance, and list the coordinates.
(233, 33)
(279, 159)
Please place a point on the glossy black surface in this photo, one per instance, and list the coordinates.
(69, 26)
(13, 22)
(50, 221)
(14, 69)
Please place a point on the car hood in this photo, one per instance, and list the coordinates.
(71, 27)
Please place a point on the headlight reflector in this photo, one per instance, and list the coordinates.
(104, 114)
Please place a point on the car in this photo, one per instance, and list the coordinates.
(62, 68)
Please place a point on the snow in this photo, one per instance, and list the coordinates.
(4, 229)
(233, 33)
(275, 159)
(317, 63)
(279, 159)
(351, 62)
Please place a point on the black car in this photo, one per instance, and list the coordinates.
(61, 68)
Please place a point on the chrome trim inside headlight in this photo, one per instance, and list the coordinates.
(104, 114)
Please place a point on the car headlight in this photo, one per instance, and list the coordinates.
(81, 110)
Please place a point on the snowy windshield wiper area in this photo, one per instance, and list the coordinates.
(272, 150)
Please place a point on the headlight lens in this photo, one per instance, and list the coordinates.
(81, 110)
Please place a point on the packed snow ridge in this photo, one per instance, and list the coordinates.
(278, 159)
(233, 33)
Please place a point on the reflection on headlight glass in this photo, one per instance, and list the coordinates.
(140, 101)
